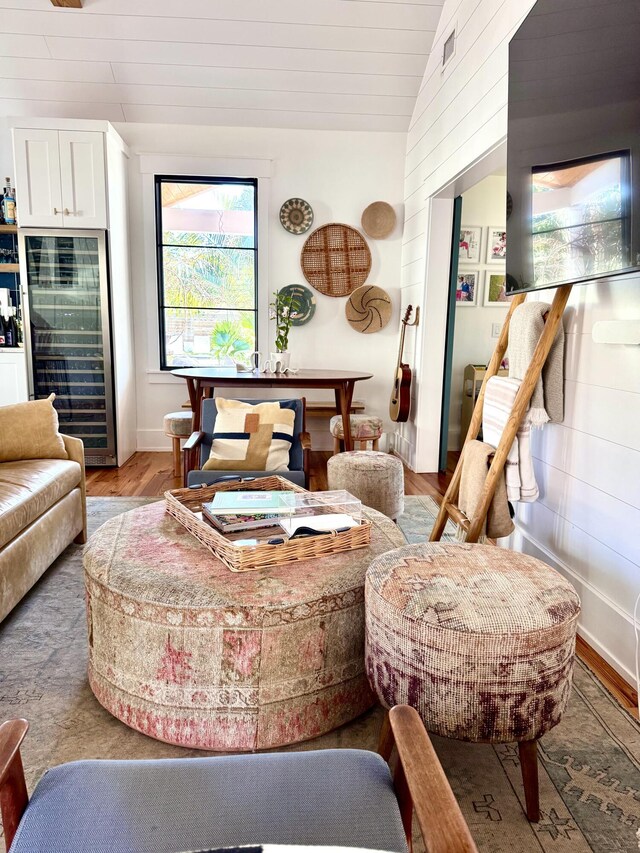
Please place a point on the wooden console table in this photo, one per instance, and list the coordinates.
(202, 380)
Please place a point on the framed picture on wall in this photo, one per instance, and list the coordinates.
(470, 240)
(467, 287)
(495, 292)
(496, 245)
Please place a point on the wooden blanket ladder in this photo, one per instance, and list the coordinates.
(449, 507)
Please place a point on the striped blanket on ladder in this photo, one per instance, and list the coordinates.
(499, 397)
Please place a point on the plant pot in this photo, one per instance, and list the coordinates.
(279, 361)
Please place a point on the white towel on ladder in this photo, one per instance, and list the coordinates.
(499, 397)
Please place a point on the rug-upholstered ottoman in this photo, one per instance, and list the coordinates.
(188, 652)
(177, 425)
(364, 428)
(479, 639)
(377, 479)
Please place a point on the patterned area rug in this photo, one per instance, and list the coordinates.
(590, 763)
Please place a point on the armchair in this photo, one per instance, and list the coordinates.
(337, 797)
(198, 447)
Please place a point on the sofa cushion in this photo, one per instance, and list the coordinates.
(29, 488)
(30, 431)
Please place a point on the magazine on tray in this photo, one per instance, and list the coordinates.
(235, 523)
(250, 503)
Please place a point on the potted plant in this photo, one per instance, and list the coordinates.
(283, 308)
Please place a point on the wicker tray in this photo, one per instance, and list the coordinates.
(182, 504)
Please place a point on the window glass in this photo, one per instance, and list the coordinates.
(207, 270)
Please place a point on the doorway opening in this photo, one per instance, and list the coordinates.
(478, 305)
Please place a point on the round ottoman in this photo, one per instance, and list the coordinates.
(479, 639)
(188, 652)
(364, 428)
(177, 425)
(377, 479)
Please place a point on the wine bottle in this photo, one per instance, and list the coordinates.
(9, 337)
(9, 204)
(18, 326)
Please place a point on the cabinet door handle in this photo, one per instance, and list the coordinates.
(66, 211)
(56, 211)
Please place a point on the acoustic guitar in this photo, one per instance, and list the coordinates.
(400, 401)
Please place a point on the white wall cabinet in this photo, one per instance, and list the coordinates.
(60, 178)
(37, 164)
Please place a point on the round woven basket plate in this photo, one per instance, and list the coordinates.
(379, 220)
(296, 215)
(306, 301)
(368, 309)
(336, 259)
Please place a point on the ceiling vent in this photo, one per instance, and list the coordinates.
(449, 48)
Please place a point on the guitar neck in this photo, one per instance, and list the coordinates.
(401, 349)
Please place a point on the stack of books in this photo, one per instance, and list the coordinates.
(234, 512)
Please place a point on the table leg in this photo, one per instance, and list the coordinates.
(343, 403)
(200, 392)
(193, 401)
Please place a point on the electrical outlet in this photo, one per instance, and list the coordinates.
(496, 328)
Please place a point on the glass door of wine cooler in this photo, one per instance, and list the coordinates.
(67, 334)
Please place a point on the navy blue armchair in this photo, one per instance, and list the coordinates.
(198, 447)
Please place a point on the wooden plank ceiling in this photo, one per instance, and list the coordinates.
(327, 64)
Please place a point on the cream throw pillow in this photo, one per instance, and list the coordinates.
(251, 438)
(30, 431)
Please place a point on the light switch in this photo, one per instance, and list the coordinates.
(496, 328)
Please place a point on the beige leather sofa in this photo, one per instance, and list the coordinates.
(42, 510)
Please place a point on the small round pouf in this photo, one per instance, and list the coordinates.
(188, 652)
(377, 479)
(178, 424)
(479, 639)
(363, 427)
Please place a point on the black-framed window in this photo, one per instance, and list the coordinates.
(207, 260)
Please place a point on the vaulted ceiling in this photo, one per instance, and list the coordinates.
(328, 64)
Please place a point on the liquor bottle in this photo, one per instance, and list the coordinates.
(13, 325)
(9, 204)
(2, 222)
(2, 332)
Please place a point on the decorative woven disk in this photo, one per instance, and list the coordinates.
(306, 301)
(379, 220)
(336, 259)
(368, 309)
(296, 215)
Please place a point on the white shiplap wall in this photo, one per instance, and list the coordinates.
(587, 520)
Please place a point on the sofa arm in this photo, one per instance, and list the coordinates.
(420, 783)
(13, 789)
(75, 450)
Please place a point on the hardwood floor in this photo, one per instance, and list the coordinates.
(151, 474)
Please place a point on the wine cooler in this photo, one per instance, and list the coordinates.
(67, 333)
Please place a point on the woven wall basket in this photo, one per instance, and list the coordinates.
(368, 309)
(379, 220)
(335, 259)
